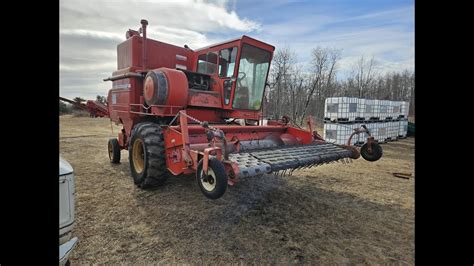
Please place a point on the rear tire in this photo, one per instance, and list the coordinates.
(114, 151)
(215, 186)
(374, 155)
(146, 154)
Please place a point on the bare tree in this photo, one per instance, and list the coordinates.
(101, 99)
(79, 100)
(282, 66)
(323, 62)
(364, 73)
(299, 89)
(295, 91)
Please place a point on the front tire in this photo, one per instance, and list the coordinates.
(146, 154)
(214, 185)
(113, 148)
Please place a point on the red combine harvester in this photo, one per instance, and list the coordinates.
(178, 109)
(95, 108)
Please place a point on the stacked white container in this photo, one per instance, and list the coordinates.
(403, 128)
(376, 109)
(386, 120)
(404, 109)
(340, 133)
(330, 132)
(384, 109)
(341, 109)
(382, 131)
(396, 106)
(369, 109)
(375, 130)
(394, 127)
(361, 116)
(388, 130)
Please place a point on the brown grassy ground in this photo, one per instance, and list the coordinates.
(356, 213)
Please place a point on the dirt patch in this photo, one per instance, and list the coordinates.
(355, 213)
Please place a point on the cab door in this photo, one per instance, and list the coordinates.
(226, 73)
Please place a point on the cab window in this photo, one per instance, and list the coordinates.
(253, 68)
(207, 63)
(227, 62)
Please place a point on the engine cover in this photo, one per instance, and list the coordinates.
(165, 86)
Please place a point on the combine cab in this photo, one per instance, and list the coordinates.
(178, 109)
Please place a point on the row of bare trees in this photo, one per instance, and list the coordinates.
(299, 90)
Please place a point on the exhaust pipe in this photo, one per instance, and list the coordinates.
(144, 23)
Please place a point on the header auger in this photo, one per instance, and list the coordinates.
(178, 107)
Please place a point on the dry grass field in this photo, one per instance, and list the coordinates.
(354, 213)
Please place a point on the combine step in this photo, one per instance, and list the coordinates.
(266, 161)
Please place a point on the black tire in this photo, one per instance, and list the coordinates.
(219, 177)
(113, 148)
(137, 179)
(147, 139)
(374, 155)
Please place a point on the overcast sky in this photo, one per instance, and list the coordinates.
(91, 30)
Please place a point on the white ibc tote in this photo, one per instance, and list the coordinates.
(339, 133)
(341, 108)
(403, 128)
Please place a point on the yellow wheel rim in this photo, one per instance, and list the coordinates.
(110, 151)
(138, 156)
(211, 184)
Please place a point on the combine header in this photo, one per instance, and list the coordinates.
(178, 109)
(95, 108)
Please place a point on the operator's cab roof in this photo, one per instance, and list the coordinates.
(243, 38)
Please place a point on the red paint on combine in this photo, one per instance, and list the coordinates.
(178, 102)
